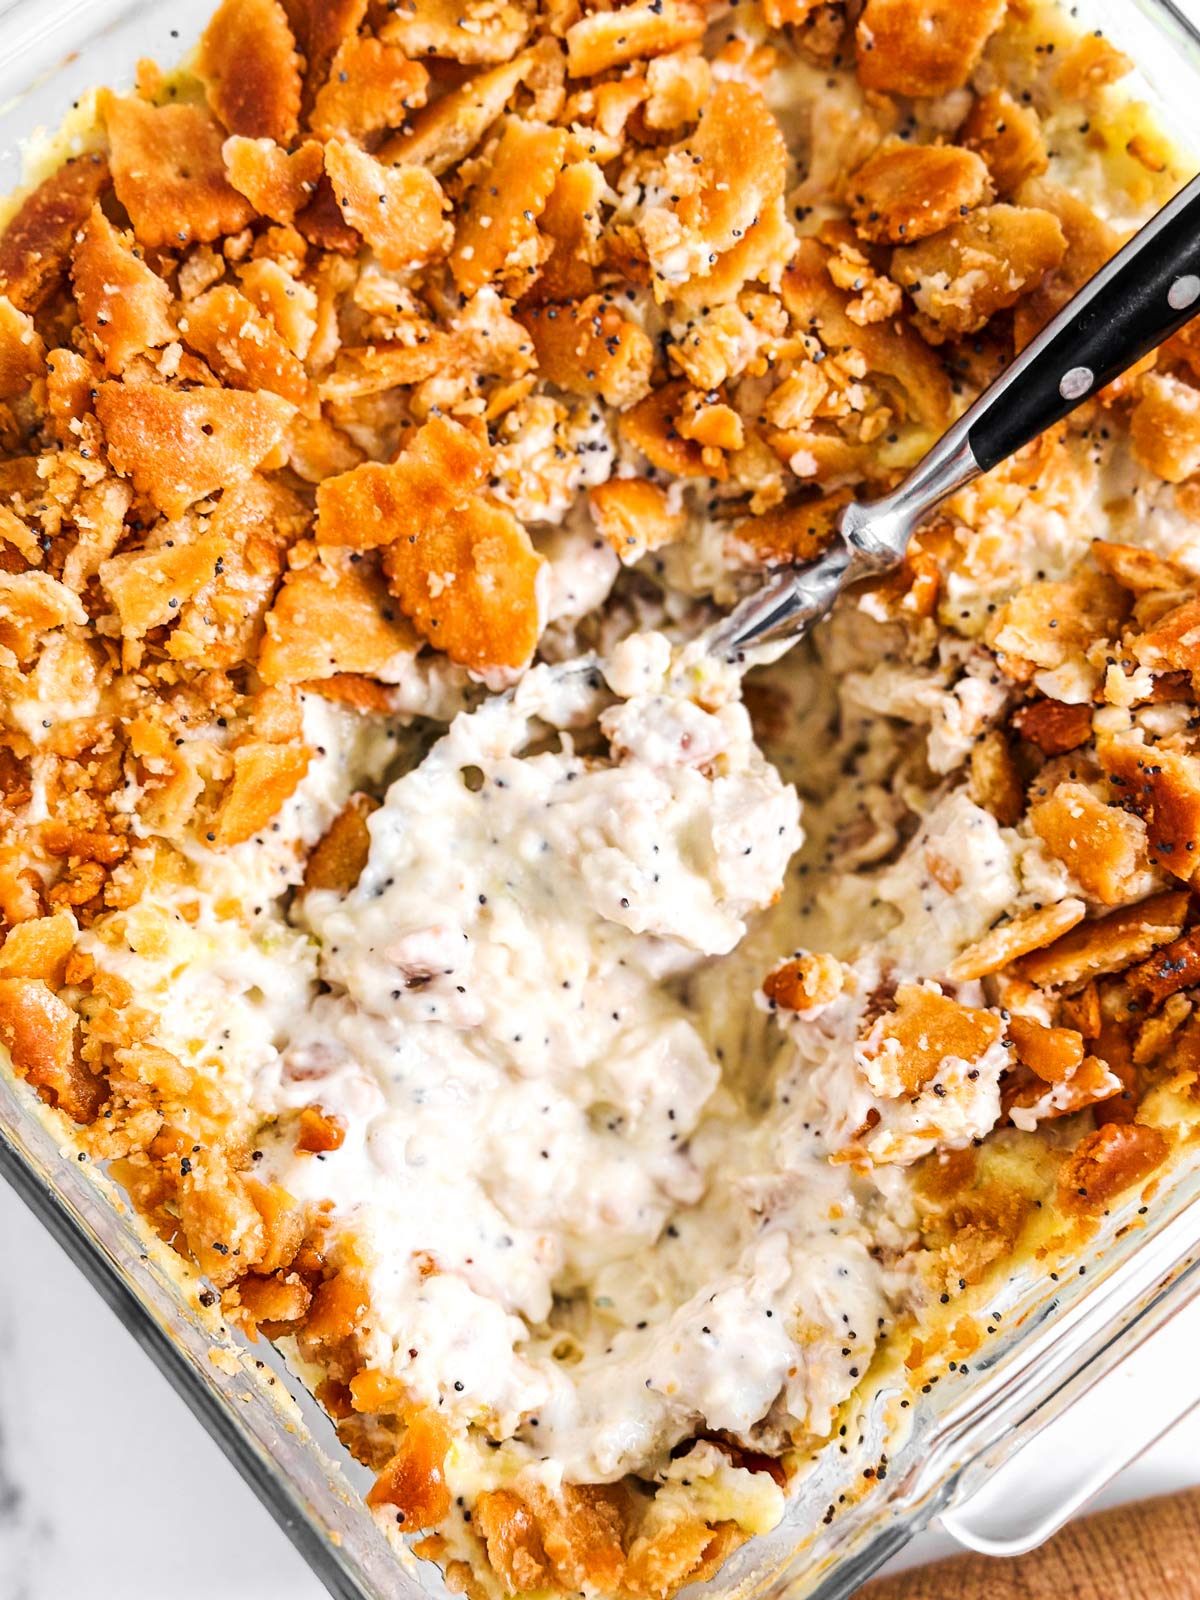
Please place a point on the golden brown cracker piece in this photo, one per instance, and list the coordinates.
(994, 782)
(1008, 135)
(414, 1479)
(474, 32)
(22, 353)
(496, 233)
(278, 183)
(904, 192)
(1108, 1160)
(1102, 846)
(339, 856)
(921, 1031)
(331, 619)
(39, 948)
(590, 349)
(265, 774)
(376, 504)
(649, 426)
(572, 219)
(39, 1032)
(961, 277)
(1164, 426)
(1002, 945)
(923, 47)
(35, 247)
(605, 39)
(469, 583)
(243, 347)
(180, 445)
(371, 86)
(1108, 944)
(320, 28)
(635, 516)
(441, 134)
(1054, 727)
(148, 587)
(248, 64)
(794, 530)
(400, 211)
(169, 173)
(805, 982)
(1163, 787)
(123, 304)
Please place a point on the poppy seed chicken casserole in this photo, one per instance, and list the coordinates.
(421, 928)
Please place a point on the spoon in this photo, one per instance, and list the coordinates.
(1142, 296)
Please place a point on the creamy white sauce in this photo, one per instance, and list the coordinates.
(531, 1108)
(591, 1180)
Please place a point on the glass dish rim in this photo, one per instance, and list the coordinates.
(155, 1294)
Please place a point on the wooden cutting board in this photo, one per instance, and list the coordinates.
(1147, 1551)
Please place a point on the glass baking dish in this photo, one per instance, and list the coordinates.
(1002, 1452)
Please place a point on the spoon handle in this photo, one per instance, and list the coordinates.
(1142, 296)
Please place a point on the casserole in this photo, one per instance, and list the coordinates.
(954, 1435)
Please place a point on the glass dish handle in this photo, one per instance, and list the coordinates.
(1082, 1448)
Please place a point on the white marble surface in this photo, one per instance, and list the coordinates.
(110, 1490)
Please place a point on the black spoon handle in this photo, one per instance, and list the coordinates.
(1143, 295)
